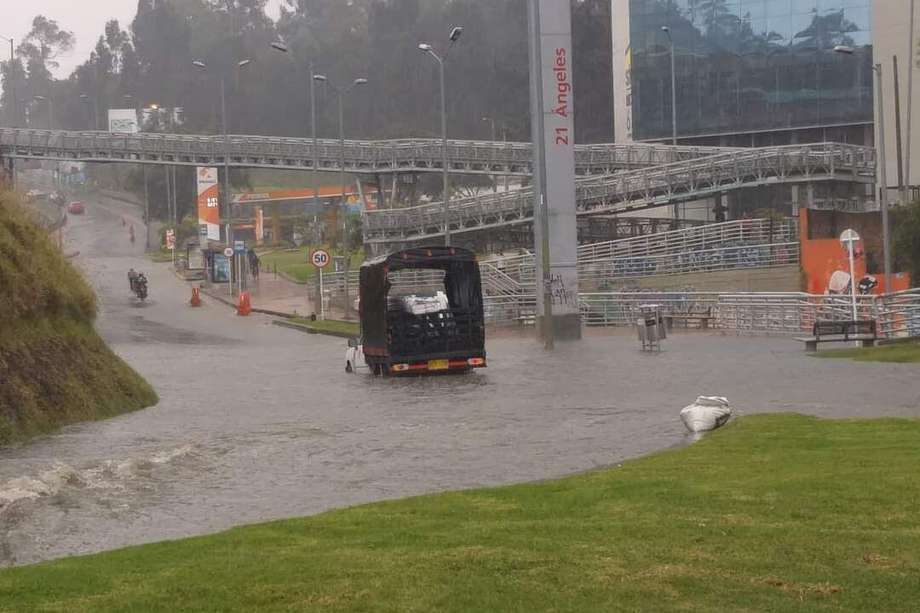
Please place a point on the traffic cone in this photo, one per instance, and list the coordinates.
(196, 297)
(244, 307)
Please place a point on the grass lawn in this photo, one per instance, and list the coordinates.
(293, 263)
(898, 352)
(772, 513)
(161, 256)
(331, 325)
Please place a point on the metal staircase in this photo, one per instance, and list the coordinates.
(635, 190)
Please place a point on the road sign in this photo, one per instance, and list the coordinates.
(228, 252)
(320, 258)
(849, 236)
(170, 240)
(239, 246)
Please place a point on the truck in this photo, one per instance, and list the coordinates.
(421, 312)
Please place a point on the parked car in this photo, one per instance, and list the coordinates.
(76, 208)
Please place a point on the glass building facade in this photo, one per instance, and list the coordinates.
(746, 66)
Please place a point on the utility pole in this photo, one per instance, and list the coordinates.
(541, 214)
(897, 127)
(883, 176)
(910, 93)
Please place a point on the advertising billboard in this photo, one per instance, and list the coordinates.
(208, 203)
(123, 121)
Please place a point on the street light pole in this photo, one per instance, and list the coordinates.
(910, 93)
(883, 176)
(492, 132)
(340, 95)
(280, 46)
(667, 31)
(225, 129)
(455, 34)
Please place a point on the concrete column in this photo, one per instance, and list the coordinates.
(553, 129)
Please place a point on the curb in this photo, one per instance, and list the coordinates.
(309, 330)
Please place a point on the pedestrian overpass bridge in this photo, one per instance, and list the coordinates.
(613, 178)
(360, 156)
(634, 190)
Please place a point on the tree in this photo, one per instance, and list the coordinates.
(45, 42)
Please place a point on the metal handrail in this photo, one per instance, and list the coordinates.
(635, 189)
(384, 156)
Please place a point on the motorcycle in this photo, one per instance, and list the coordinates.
(139, 286)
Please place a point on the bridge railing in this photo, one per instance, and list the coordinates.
(635, 189)
(409, 155)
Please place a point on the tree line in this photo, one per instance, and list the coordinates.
(151, 62)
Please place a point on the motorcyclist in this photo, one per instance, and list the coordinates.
(132, 233)
(140, 286)
(132, 278)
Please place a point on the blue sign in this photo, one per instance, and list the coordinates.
(239, 246)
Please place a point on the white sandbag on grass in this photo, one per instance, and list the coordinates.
(707, 413)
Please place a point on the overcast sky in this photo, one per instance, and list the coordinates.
(85, 18)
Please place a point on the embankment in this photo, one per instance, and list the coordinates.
(54, 368)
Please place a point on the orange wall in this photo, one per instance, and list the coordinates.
(821, 257)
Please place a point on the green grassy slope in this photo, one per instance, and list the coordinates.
(54, 369)
(772, 513)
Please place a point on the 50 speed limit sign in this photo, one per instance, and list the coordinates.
(320, 258)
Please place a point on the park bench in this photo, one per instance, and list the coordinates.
(863, 331)
(701, 317)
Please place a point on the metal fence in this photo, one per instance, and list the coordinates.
(747, 243)
(898, 315)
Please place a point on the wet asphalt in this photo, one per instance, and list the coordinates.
(258, 422)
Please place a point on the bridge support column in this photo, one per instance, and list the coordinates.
(552, 115)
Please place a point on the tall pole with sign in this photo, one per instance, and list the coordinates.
(320, 259)
(850, 238)
(553, 129)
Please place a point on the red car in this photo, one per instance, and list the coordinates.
(76, 208)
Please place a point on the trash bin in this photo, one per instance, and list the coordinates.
(650, 327)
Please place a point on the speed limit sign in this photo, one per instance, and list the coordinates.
(320, 258)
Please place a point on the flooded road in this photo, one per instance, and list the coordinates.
(258, 422)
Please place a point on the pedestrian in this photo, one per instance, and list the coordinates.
(254, 263)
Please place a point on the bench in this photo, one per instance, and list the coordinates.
(862, 331)
(703, 317)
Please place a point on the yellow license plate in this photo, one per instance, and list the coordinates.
(439, 365)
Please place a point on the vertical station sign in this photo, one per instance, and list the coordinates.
(552, 33)
(208, 204)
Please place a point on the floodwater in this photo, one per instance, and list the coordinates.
(258, 422)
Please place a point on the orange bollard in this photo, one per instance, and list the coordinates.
(196, 297)
(244, 307)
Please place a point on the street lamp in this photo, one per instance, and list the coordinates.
(40, 98)
(224, 124)
(667, 31)
(280, 46)
(455, 34)
(882, 173)
(340, 95)
(84, 98)
(491, 123)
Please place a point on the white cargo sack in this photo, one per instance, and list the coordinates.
(707, 413)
